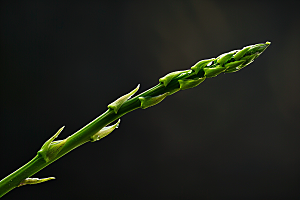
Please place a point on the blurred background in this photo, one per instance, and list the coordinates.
(235, 136)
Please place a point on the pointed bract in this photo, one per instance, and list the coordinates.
(201, 64)
(30, 181)
(241, 53)
(212, 72)
(190, 83)
(233, 65)
(105, 131)
(116, 105)
(225, 57)
(147, 102)
(248, 59)
(44, 151)
(54, 148)
(167, 78)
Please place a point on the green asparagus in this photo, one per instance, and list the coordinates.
(52, 150)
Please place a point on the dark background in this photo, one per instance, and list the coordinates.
(235, 136)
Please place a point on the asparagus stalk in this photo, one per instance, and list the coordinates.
(171, 83)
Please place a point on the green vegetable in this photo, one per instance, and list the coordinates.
(97, 129)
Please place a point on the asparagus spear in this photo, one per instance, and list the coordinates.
(171, 83)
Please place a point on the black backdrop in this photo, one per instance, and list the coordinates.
(235, 136)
